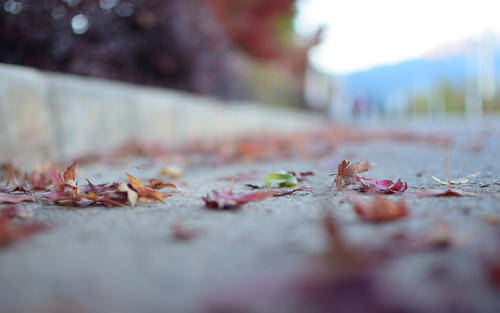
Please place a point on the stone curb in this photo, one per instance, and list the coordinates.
(54, 116)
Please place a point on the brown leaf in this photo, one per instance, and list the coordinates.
(347, 173)
(144, 192)
(159, 184)
(380, 209)
(69, 173)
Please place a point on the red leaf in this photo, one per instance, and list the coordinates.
(13, 199)
(227, 199)
(380, 209)
(11, 231)
(384, 186)
(347, 173)
(12, 211)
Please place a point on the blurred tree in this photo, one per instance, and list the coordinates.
(203, 46)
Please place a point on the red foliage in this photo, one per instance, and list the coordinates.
(384, 186)
(227, 199)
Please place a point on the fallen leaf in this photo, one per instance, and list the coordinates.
(347, 173)
(280, 193)
(145, 193)
(159, 184)
(69, 173)
(281, 178)
(13, 211)
(132, 196)
(13, 199)
(183, 233)
(383, 186)
(379, 209)
(227, 199)
(458, 181)
(11, 231)
(450, 192)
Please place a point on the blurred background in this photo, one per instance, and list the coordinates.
(350, 59)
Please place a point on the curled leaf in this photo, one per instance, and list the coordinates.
(227, 199)
(281, 178)
(132, 196)
(145, 193)
(159, 184)
(384, 186)
(347, 173)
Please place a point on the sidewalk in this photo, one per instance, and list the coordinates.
(129, 260)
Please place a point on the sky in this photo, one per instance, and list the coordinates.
(363, 34)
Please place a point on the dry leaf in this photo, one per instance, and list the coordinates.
(13, 199)
(227, 199)
(458, 181)
(145, 193)
(383, 186)
(159, 184)
(379, 209)
(132, 196)
(450, 192)
(347, 173)
(13, 211)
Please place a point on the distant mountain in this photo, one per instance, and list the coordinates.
(445, 63)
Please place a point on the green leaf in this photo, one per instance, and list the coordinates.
(281, 178)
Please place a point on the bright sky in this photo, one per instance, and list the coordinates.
(366, 33)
